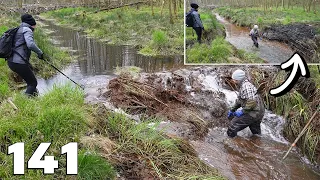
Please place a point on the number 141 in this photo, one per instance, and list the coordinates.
(48, 164)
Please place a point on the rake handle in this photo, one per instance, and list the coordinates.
(63, 73)
(301, 134)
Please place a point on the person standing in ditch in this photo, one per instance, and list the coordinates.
(252, 105)
(197, 23)
(254, 33)
(22, 46)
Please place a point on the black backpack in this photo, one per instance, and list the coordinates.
(6, 43)
(189, 19)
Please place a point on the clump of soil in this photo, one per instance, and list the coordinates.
(300, 37)
(177, 97)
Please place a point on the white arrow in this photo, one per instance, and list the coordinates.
(297, 63)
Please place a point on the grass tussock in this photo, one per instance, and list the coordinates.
(128, 25)
(93, 166)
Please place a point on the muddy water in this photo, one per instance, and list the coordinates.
(271, 51)
(252, 157)
(96, 61)
(247, 157)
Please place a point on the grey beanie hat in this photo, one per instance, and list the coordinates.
(239, 75)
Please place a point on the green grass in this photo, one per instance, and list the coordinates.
(250, 16)
(58, 117)
(220, 51)
(92, 166)
(4, 79)
(128, 26)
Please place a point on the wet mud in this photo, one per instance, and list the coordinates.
(300, 37)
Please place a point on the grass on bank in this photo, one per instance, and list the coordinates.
(250, 16)
(58, 117)
(128, 25)
(219, 51)
(296, 108)
(165, 158)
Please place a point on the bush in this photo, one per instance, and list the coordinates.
(159, 38)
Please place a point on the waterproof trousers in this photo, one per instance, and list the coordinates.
(25, 72)
(239, 123)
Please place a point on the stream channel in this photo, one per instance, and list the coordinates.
(244, 157)
(272, 52)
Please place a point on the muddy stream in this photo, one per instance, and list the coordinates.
(244, 157)
(272, 52)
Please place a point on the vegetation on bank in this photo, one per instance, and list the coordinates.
(297, 107)
(214, 49)
(154, 34)
(248, 16)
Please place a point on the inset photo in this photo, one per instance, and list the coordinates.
(251, 32)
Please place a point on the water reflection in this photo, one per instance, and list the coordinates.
(97, 58)
(96, 61)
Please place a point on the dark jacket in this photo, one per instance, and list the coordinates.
(24, 44)
(196, 18)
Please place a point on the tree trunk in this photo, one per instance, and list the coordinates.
(170, 11)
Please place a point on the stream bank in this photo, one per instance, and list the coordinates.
(192, 104)
(152, 34)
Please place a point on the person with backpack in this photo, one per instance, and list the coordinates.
(193, 20)
(254, 33)
(23, 44)
(252, 105)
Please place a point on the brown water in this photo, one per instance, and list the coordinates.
(254, 157)
(96, 61)
(271, 51)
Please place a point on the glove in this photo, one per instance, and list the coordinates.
(238, 113)
(230, 113)
(41, 56)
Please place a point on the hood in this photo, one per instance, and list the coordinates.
(23, 24)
